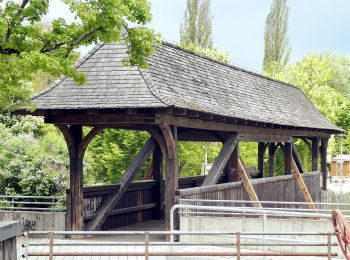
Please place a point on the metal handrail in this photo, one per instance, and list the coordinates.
(147, 243)
(266, 202)
(27, 203)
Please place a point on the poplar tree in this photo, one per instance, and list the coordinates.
(197, 25)
(277, 47)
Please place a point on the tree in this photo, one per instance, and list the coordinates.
(197, 25)
(27, 47)
(33, 157)
(341, 65)
(212, 53)
(316, 76)
(277, 48)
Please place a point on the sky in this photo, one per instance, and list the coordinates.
(238, 26)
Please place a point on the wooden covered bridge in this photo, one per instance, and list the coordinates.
(180, 97)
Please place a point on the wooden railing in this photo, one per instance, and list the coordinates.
(280, 188)
(139, 203)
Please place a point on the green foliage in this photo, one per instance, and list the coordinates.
(111, 153)
(277, 48)
(249, 153)
(33, 157)
(27, 47)
(340, 64)
(212, 53)
(317, 77)
(191, 156)
(197, 25)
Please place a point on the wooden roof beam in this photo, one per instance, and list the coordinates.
(225, 127)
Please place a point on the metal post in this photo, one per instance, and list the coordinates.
(329, 245)
(264, 230)
(238, 245)
(26, 245)
(51, 246)
(146, 245)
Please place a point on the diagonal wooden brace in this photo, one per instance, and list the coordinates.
(221, 160)
(112, 199)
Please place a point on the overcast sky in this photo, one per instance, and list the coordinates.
(238, 26)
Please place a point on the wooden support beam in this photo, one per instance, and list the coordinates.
(106, 119)
(192, 114)
(112, 199)
(302, 186)
(297, 159)
(324, 169)
(287, 158)
(74, 136)
(202, 123)
(271, 161)
(157, 172)
(248, 186)
(314, 153)
(233, 165)
(261, 154)
(307, 142)
(221, 160)
(171, 171)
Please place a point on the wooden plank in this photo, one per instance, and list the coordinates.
(111, 201)
(123, 210)
(248, 185)
(302, 186)
(221, 160)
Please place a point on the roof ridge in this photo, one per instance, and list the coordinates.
(149, 83)
(77, 64)
(175, 46)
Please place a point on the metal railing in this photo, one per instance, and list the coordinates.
(324, 207)
(31, 203)
(148, 248)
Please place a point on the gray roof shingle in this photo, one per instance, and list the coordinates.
(178, 78)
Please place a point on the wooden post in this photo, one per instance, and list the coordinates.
(171, 175)
(157, 172)
(221, 160)
(288, 158)
(271, 162)
(76, 147)
(261, 153)
(314, 153)
(76, 180)
(324, 169)
(233, 166)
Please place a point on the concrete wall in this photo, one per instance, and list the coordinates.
(8, 245)
(245, 224)
(35, 220)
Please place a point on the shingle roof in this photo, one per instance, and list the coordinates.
(178, 78)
